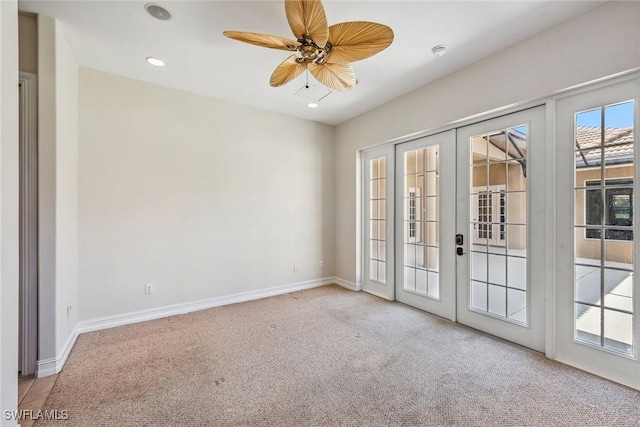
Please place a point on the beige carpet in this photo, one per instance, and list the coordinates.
(323, 357)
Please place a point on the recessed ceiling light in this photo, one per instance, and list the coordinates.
(439, 50)
(312, 105)
(157, 12)
(155, 61)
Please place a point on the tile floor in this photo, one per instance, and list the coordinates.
(32, 392)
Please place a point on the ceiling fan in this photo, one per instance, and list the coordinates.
(325, 51)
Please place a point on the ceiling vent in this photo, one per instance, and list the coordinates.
(313, 92)
(158, 12)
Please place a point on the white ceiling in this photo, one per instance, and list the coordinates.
(116, 36)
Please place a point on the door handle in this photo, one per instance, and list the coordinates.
(459, 251)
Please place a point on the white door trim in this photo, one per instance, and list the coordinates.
(28, 289)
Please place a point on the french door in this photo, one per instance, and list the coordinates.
(500, 258)
(377, 187)
(597, 301)
(463, 226)
(424, 230)
(487, 216)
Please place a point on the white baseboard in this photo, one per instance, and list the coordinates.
(52, 366)
(356, 287)
(174, 309)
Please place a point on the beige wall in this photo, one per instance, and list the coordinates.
(199, 197)
(486, 85)
(28, 42)
(616, 251)
(57, 190)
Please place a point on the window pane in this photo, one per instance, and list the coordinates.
(479, 295)
(421, 205)
(421, 281)
(588, 284)
(587, 323)
(619, 252)
(619, 289)
(479, 266)
(604, 233)
(618, 331)
(373, 169)
(479, 148)
(373, 270)
(497, 300)
(382, 251)
(497, 269)
(410, 278)
(587, 165)
(498, 218)
(382, 167)
(517, 272)
(517, 305)
(377, 212)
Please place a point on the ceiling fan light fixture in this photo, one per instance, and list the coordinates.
(157, 12)
(324, 51)
(312, 105)
(155, 61)
(439, 50)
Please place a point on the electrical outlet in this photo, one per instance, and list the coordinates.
(295, 268)
(148, 288)
(321, 264)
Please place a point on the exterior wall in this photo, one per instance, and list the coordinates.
(617, 251)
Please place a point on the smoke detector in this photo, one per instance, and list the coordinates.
(157, 12)
(439, 50)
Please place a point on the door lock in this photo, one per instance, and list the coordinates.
(459, 242)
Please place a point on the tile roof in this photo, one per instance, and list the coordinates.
(618, 144)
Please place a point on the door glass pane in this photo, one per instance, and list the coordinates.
(498, 224)
(421, 221)
(377, 215)
(604, 237)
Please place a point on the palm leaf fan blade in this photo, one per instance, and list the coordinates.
(263, 40)
(357, 40)
(288, 70)
(335, 76)
(308, 17)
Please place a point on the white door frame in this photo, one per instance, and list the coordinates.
(603, 362)
(28, 224)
